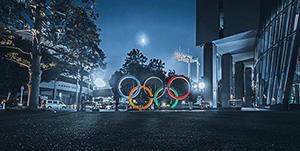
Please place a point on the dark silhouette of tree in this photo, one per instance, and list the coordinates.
(113, 82)
(14, 61)
(69, 23)
(136, 64)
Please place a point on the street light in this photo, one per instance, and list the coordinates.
(195, 86)
(201, 85)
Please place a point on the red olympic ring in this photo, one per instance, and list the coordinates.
(179, 97)
(136, 90)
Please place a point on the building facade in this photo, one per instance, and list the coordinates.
(276, 53)
(257, 43)
(64, 89)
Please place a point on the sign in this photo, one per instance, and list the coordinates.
(181, 55)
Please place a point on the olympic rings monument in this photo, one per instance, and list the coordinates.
(136, 90)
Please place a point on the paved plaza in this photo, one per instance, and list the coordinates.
(183, 130)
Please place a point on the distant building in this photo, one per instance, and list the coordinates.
(64, 88)
(103, 95)
(251, 46)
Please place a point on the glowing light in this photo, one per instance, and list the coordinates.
(100, 82)
(147, 105)
(187, 81)
(201, 85)
(142, 39)
(136, 90)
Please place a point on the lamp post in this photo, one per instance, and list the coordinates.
(21, 99)
(187, 58)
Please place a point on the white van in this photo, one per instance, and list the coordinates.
(55, 104)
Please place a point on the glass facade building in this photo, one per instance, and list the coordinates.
(258, 43)
(276, 69)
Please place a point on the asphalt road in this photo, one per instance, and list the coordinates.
(201, 130)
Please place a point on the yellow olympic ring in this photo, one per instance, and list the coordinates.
(149, 103)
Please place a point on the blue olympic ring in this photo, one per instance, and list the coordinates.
(122, 79)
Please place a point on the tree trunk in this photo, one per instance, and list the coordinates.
(80, 91)
(36, 60)
(116, 97)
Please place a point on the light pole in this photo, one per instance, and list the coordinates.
(187, 58)
(21, 99)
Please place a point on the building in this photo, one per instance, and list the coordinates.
(64, 88)
(103, 95)
(251, 48)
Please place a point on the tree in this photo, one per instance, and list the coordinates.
(55, 23)
(113, 82)
(10, 50)
(83, 43)
(156, 67)
(135, 64)
(12, 77)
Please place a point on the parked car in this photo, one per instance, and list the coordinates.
(123, 107)
(205, 104)
(90, 106)
(109, 106)
(100, 106)
(199, 101)
(55, 104)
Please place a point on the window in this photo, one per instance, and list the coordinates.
(221, 21)
(274, 50)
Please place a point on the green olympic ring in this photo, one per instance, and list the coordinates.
(158, 90)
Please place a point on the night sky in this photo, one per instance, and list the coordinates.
(155, 27)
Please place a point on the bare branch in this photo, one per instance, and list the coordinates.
(27, 53)
(22, 64)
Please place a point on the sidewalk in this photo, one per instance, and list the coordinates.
(251, 109)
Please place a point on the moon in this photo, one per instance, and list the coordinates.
(142, 39)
